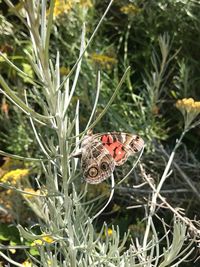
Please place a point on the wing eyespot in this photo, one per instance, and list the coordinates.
(104, 166)
(93, 172)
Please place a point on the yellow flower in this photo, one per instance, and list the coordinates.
(189, 108)
(130, 9)
(44, 239)
(62, 6)
(37, 242)
(14, 176)
(188, 105)
(48, 239)
(103, 60)
(108, 232)
(27, 263)
(10, 164)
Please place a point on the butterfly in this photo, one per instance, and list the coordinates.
(101, 152)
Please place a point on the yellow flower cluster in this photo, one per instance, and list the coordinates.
(14, 176)
(63, 6)
(103, 60)
(43, 239)
(188, 105)
(130, 9)
(189, 108)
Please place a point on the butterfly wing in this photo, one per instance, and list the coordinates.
(121, 145)
(100, 153)
(96, 162)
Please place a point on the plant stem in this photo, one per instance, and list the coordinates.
(156, 194)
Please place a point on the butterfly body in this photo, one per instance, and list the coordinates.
(100, 153)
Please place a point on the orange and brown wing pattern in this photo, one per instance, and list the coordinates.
(101, 152)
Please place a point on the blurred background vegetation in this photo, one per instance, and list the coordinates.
(160, 40)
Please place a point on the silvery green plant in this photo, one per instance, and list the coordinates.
(62, 214)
